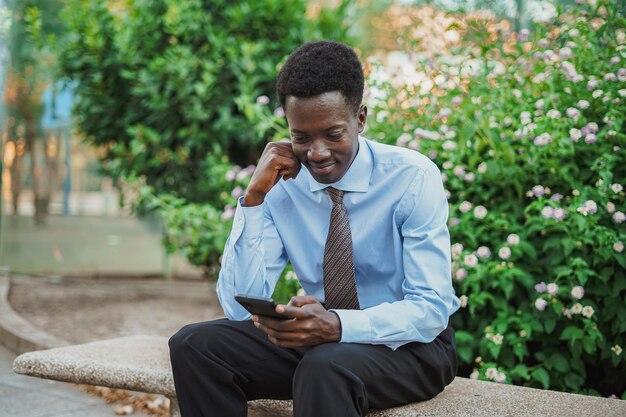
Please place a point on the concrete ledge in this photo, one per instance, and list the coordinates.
(16, 333)
(141, 363)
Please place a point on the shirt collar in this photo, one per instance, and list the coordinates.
(357, 178)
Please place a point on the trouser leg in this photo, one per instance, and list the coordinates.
(345, 380)
(219, 365)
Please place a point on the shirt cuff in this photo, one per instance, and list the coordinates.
(250, 219)
(355, 326)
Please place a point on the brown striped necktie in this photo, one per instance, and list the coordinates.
(339, 281)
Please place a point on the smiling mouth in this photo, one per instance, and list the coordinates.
(323, 168)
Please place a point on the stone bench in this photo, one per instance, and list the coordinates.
(141, 363)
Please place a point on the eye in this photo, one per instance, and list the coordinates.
(299, 139)
(335, 135)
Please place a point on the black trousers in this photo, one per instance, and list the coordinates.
(219, 365)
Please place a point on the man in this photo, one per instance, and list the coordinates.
(364, 226)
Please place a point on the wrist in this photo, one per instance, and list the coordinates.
(336, 327)
(253, 198)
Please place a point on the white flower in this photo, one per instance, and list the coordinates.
(470, 260)
(497, 339)
(290, 276)
(617, 188)
(482, 168)
(512, 239)
(474, 374)
(547, 212)
(459, 171)
(483, 252)
(230, 175)
(456, 250)
(617, 349)
(504, 252)
(553, 114)
(491, 373)
(575, 134)
(552, 288)
(619, 217)
(540, 304)
(480, 212)
(618, 246)
(577, 308)
(587, 311)
(449, 145)
(465, 207)
(578, 292)
(501, 377)
(597, 93)
(447, 165)
(463, 300)
(540, 103)
(610, 207)
(301, 292)
(469, 177)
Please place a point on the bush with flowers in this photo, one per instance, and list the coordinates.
(528, 130)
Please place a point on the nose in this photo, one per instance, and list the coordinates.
(318, 151)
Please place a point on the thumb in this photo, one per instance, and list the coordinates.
(301, 300)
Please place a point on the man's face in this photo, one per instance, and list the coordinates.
(324, 133)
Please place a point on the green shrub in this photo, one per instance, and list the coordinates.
(530, 138)
(161, 82)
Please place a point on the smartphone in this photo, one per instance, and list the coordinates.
(260, 306)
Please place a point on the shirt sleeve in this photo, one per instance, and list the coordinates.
(429, 298)
(253, 259)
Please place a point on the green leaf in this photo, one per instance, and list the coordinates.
(549, 325)
(541, 375)
(559, 362)
(572, 333)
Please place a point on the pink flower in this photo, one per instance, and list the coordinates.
(262, 100)
(590, 206)
(590, 138)
(461, 274)
(237, 192)
(556, 197)
(279, 112)
(483, 252)
(470, 261)
(558, 214)
(228, 213)
(465, 207)
(619, 217)
(543, 139)
(230, 175)
(538, 190)
(572, 113)
(583, 104)
(540, 304)
(541, 287)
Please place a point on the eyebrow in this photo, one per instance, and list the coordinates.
(334, 127)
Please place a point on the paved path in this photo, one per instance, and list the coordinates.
(23, 396)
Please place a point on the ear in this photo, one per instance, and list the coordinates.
(361, 117)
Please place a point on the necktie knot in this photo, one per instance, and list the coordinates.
(336, 196)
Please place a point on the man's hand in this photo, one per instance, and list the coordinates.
(276, 161)
(310, 324)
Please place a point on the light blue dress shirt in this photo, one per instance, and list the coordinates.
(398, 212)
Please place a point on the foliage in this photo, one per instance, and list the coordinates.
(162, 82)
(528, 130)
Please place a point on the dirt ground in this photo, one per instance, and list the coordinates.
(83, 310)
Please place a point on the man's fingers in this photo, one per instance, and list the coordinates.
(300, 300)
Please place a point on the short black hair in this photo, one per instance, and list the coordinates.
(320, 67)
